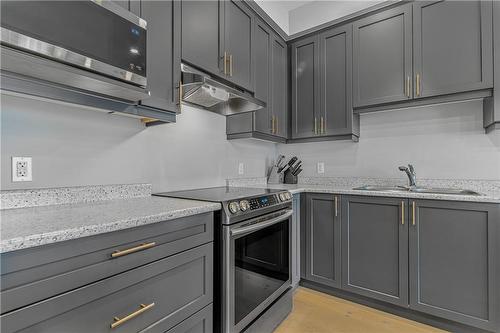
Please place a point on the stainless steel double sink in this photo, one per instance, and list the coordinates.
(433, 190)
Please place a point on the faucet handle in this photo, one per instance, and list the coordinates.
(412, 169)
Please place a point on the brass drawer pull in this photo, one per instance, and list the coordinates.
(418, 85)
(413, 212)
(315, 125)
(230, 65)
(402, 212)
(118, 321)
(336, 206)
(225, 63)
(119, 253)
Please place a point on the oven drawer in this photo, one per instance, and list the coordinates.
(32, 275)
(169, 290)
(200, 322)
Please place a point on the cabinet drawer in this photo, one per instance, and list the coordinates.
(169, 290)
(200, 322)
(32, 275)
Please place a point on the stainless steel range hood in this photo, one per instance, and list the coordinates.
(201, 90)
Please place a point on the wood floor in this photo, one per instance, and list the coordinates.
(315, 312)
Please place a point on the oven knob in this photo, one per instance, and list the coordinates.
(244, 205)
(233, 207)
(282, 197)
(288, 195)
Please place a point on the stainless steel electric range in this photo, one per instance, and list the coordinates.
(253, 256)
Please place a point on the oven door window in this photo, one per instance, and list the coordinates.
(261, 267)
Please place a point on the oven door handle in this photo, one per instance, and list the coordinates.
(262, 225)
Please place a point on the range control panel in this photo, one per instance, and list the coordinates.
(258, 202)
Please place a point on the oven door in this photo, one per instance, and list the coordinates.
(256, 267)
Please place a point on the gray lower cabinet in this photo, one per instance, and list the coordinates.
(382, 57)
(200, 34)
(270, 59)
(452, 46)
(322, 239)
(168, 290)
(161, 274)
(163, 54)
(454, 261)
(375, 248)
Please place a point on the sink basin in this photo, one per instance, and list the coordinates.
(382, 188)
(450, 191)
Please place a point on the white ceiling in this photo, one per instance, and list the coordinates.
(296, 16)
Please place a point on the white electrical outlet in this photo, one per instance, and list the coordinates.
(241, 168)
(321, 167)
(21, 169)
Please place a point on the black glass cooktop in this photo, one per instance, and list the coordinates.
(219, 194)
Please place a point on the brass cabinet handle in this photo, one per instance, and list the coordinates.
(225, 62)
(413, 212)
(315, 125)
(118, 321)
(230, 65)
(180, 93)
(119, 253)
(418, 85)
(336, 207)
(402, 212)
(408, 87)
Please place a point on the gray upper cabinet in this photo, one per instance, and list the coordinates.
(270, 59)
(200, 34)
(305, 83)
(163, 55)
(263, 75)
(382, 57)
(375, 248)
(322, 241)
(454, 263)
(336, 81)
(452, 47)
(236, 42)
(279, 86)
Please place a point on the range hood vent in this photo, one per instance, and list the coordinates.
(201, 90)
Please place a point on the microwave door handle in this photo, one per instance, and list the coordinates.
(261, 225)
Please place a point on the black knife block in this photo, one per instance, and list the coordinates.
(289, 177)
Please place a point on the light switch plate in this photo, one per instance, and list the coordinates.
(321, 167)
(22, 169)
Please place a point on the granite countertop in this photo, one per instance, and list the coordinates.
(23, 228)
(488, 197)
(489, 189)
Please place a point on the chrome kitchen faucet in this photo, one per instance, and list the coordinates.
(412, 175)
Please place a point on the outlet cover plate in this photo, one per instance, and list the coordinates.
(22, 169)
(241, 168)
(321, 167)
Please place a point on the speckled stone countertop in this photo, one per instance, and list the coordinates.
(489, 190)
(23, 228)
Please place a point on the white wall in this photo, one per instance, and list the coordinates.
(442, 141)
(278, 10)
(315, 13)
(72, 147)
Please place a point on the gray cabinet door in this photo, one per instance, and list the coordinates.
(452, 46)
(454, 261)
(305, 83)
(336, 81)
(279, 86)
(237, 27)
(200, 34)
(382, 57)
(163, 54)
(375, 248)
(262, 74)
(323, 239)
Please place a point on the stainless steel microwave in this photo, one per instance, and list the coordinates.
(96, 36)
